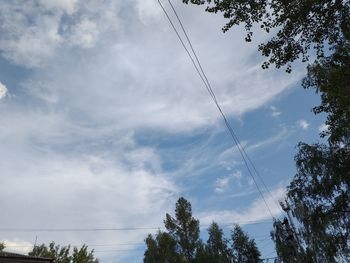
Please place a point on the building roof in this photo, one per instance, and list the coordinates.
(14, 257)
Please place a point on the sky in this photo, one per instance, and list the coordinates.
(105, 124)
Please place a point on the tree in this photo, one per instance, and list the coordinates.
(63, 254)
(184, 229)
(58, 253)
(330, 77)
(319, 194)
(217, 246)
(162, 249)
(181, 242)
(298, 26)
(287, 244)
(2, 247)
(244, 249)
(82, 255)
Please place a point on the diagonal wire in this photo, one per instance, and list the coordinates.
(215, 100)
(207, 84)
(212, 94)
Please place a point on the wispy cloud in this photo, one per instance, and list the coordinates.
(231, 154)
(3, 90)
(98, 82)
(223, 183)
(274, 112)
(83, 192)
(17, 245)
(303, 124)
(256, 211)
(33, 34)
(323, 128)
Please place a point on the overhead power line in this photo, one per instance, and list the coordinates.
(113, 244)
(14, 229)
(76, 229)
(247, 161)
(243, 152)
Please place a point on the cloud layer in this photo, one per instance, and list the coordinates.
(3, 90)
(100, 76)
(256, 211)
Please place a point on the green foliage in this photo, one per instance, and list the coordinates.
(60, 254)
(217, 246)
(181, 243)
(331, 78)
(82, 255)
(2, 246)
(319, 194)
(63, 254)
(184, 229)
(161, 249)
(287, 245)
(244, 249)
(298, 26)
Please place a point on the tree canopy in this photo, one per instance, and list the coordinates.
(297, 26)
(181, 242)
(244, 249)
(319, 194)
(184, 229)
(64, 254)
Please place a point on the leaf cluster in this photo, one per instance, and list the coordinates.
(64, 254)
(298, 25)
(320, 191)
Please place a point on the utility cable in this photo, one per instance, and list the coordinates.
(237, 141)
(14, 229)
(179, 37)
(76, 229)
(206, 82)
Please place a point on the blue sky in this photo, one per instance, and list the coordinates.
(105, 123)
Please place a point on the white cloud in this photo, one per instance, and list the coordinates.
(303, 124)
(33, 34)
(62, 171)
(67, 6)
(274, 112)
(3, 90)
(229, 156)
(17, 245)
(82, 192)
(26, 36)
(237, 175)
(84, 34)
(148, 10)
(280, 136)
(256, 211)
(323, 128)
(224, 182)
(115, 75)
(100, 80)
